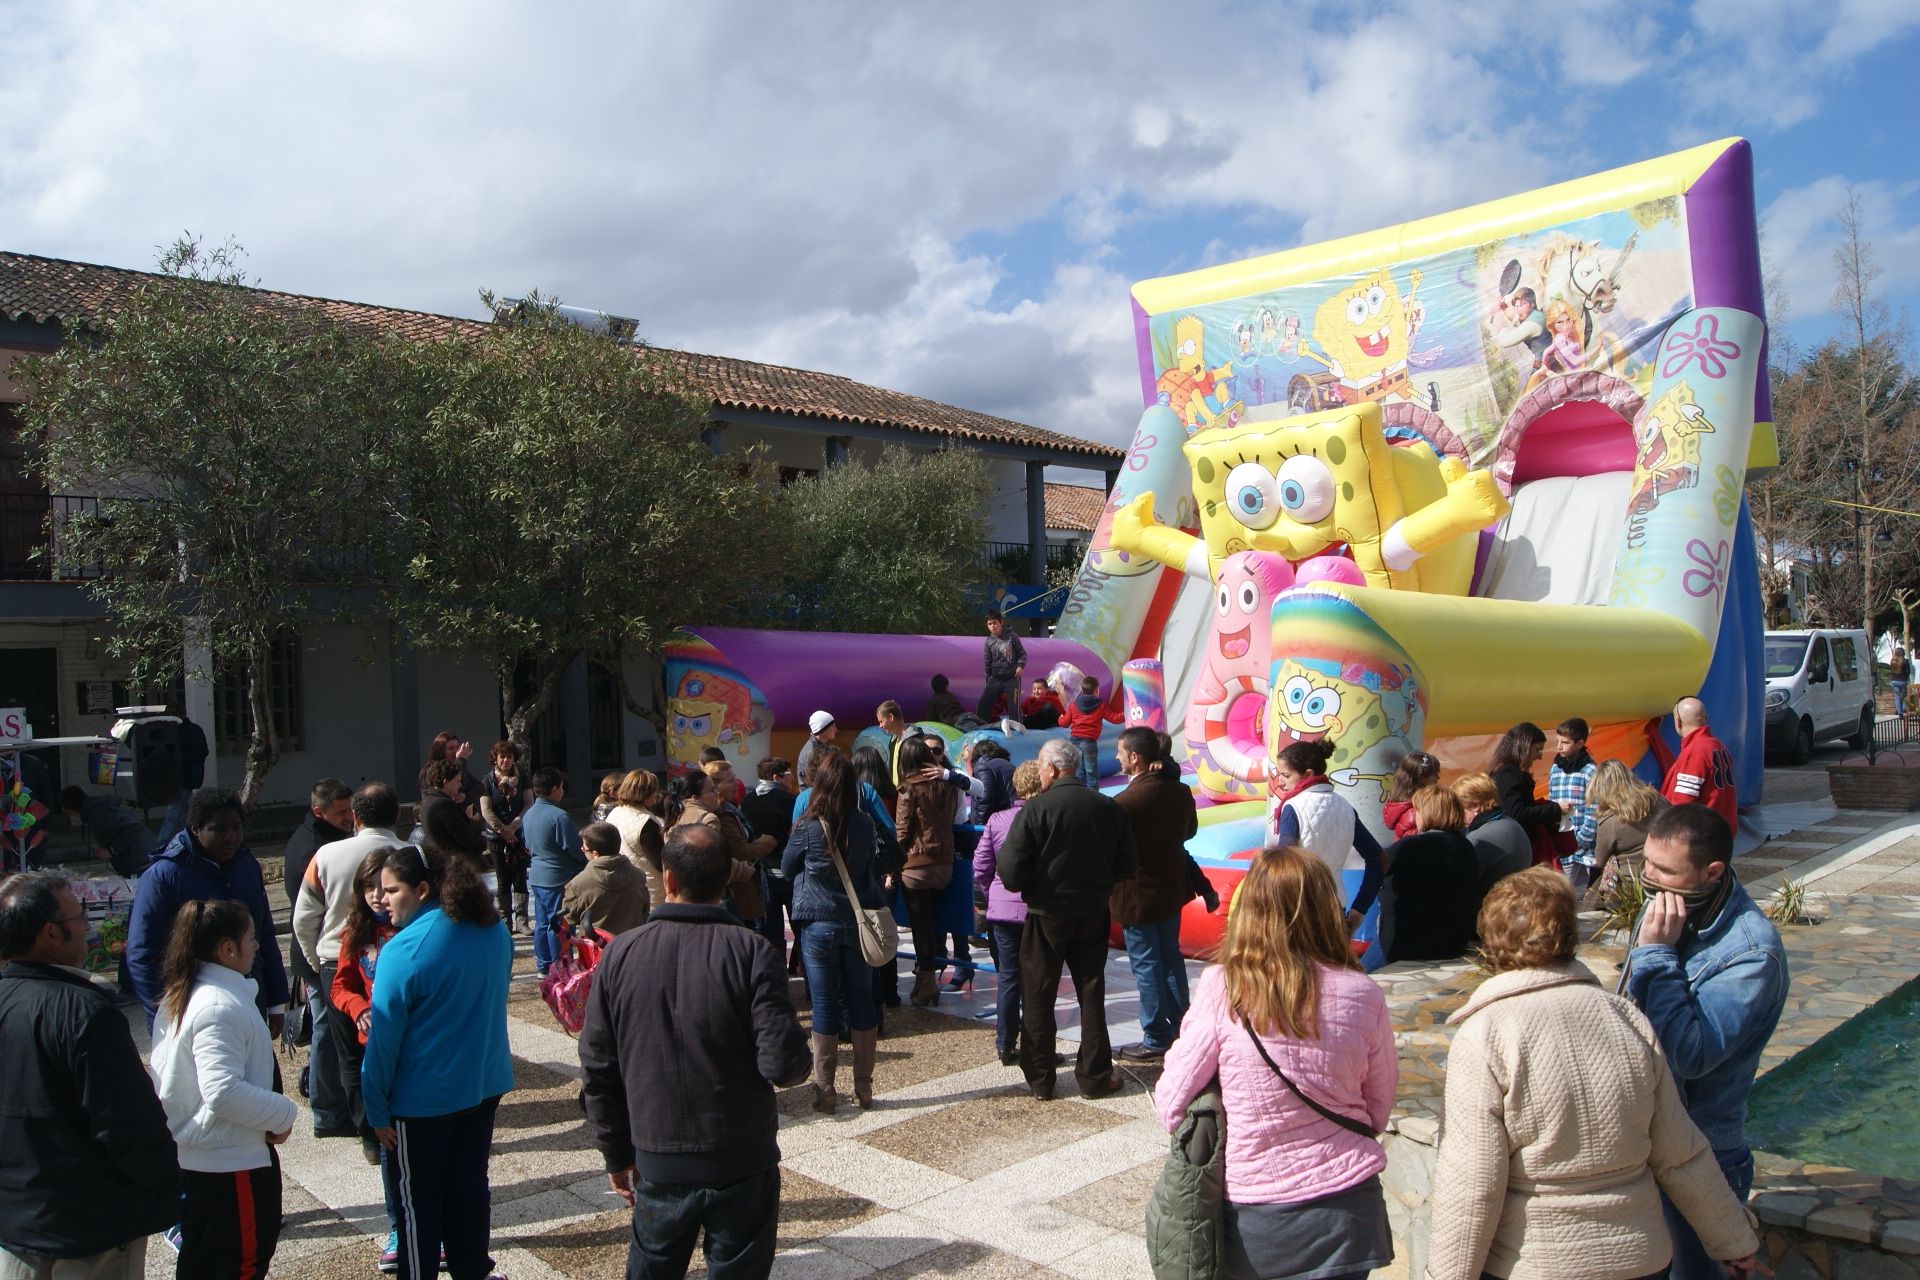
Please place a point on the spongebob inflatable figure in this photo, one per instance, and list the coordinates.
(1365, 331)
(1300, 486)
(1354, 705)
(708, 710)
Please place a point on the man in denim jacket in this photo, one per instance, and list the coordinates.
(1708, 970)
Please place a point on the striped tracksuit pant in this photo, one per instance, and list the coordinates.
(230, 1223)
(437, 1183)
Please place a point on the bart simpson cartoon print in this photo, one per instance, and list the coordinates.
(1190, 388)
(1364, 334)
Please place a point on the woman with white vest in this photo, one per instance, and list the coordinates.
(213, 1061)
(1317, 819)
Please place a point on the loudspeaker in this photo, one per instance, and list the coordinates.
(149, 773)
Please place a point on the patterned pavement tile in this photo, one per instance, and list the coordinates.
(964, 1260)
(1119, 1201)
(981, 1135)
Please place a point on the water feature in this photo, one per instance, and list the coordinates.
(1852, 1097)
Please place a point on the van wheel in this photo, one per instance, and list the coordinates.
(1803, 742)
(1863, 732)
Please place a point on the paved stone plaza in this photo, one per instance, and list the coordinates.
(957, 1172)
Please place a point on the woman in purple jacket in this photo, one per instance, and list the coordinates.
(1303, 1165)
(1006, 913)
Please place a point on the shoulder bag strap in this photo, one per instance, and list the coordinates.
(1345, 1122)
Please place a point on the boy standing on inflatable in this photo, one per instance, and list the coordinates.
(1006, 662)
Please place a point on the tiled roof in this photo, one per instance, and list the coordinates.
(1074, 506)
(56, 291)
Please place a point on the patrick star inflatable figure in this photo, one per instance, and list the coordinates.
(1227, 712)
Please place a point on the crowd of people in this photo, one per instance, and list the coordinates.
(1587, 1134)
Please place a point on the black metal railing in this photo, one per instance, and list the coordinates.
(35, 545)
(32, 528)
(1013, 561)
(1894, 733)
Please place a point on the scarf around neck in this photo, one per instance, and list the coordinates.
(1704, 906)
(1307, 783)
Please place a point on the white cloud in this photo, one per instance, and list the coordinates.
(1771, 60)
(1800, 231)
(791, 182)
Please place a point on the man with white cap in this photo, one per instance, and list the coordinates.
(823, 731)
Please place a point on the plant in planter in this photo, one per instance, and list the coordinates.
(1880, 779)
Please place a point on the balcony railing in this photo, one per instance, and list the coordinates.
(32, 526)
(34, 546)
(1012, 561)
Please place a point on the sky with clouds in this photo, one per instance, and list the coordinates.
(947, 199)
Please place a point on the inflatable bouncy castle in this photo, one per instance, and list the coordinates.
(1480, 468)
(1397, 490)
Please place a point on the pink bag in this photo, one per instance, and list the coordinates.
(569, 979)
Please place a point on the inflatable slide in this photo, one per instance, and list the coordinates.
(1397, 490)
(1442, 477)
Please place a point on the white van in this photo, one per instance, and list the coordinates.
(1819, 686)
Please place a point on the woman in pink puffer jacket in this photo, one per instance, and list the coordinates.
(1006, 914)
(1303, 1185)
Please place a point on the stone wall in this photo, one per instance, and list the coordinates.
(1817, 1222)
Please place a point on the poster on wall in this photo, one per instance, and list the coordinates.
(1449, 344)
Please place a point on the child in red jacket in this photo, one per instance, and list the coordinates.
(1084, 721)
(1416, 769)
(1041, 708)
(367, 930)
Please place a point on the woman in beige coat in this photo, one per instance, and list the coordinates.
(642, 801)
(1562, 1123)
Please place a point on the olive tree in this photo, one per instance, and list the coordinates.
(884, 548)
(225, 431)
(557, 501)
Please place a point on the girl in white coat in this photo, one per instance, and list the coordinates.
(1308, 812)
(213, 1060)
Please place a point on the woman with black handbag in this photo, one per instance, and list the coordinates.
(1298, 1038)
(831, 863)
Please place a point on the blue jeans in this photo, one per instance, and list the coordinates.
(325, 1090)
(741, 1220)
(1089, 749)
(1006, 941)
(1690, 1260)
(546, 905)
(1161, 975)
(838, 976)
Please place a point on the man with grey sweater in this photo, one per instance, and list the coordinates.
(320, 910)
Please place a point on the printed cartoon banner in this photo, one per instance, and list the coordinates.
(1450, 344)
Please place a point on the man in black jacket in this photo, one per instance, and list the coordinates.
(329, 818)
(1067, 848)
(87, 1165)
(688, 1031)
